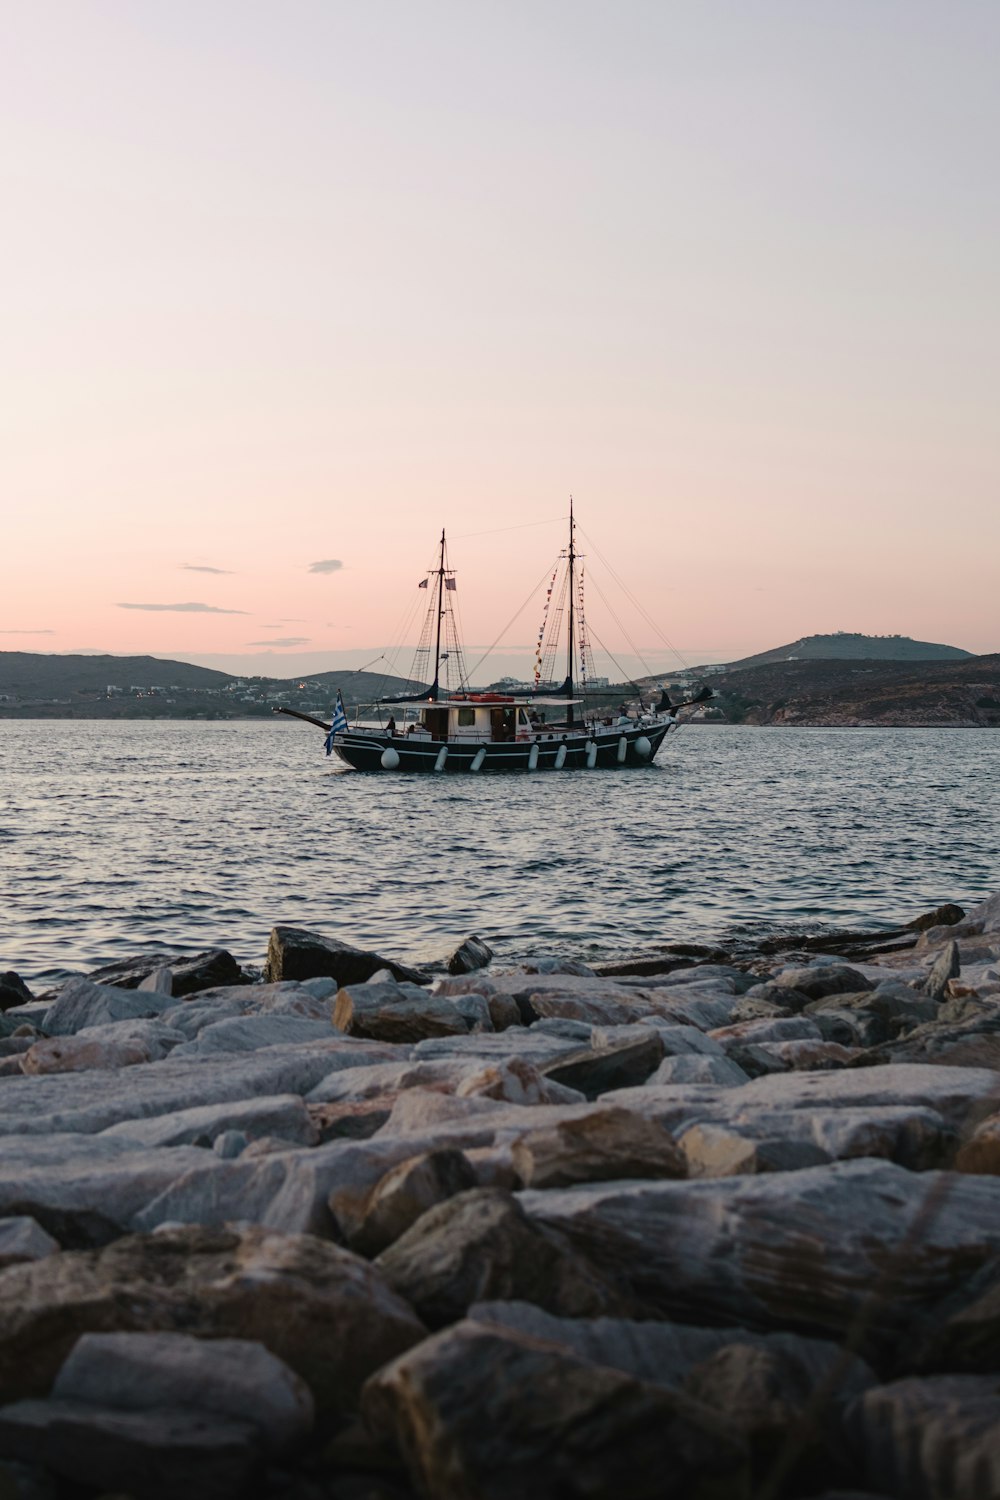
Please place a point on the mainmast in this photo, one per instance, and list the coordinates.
(435, 690)
(572, 591)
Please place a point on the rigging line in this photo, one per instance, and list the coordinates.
(636, 602)
(635, 650)
(409, 614)
(523, 526)
(510, 622)
(625, 677)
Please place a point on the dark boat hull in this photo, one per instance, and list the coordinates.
(365, 752)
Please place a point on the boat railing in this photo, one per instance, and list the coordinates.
(541, 734)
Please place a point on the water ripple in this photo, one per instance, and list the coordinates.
(184, 835)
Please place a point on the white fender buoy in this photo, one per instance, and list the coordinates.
(442, 756)
(478, 758)
(643, 748)
(533, 757)
(591, 755)
(560, 757)
(622, 750)
(390, 758)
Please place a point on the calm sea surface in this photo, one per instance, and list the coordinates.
(116, 839)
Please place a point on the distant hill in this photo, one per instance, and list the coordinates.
(36, 685)
(885, 694)
(846, 645)
(30, 674)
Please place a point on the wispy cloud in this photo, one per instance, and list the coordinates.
(327, 565)
(283, 640)
(198, 568)
(187, 609)
(27, 632)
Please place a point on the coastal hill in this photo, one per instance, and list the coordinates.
(775, 690)
(846, 645)
(846, 693)
(31, 674)
(36, 685)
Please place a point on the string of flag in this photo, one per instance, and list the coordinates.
(541, 628)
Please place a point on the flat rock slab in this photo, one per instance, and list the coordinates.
(83, 1191)
(251, 1033)
(538, 1047)
(961, 1096)
(665, 1353)
(913, 1136)
(227, 1001)
(158, 1455)
(283, 1115)
(802, 1250)
(86, 1103)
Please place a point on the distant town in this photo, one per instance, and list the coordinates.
(844, 679)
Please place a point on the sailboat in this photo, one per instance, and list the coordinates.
(546, 728)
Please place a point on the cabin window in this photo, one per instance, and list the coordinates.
(522, 717)
(466, 718)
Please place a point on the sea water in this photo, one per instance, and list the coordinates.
(178, 836)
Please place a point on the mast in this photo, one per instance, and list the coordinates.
(572, 591)
(435, 691)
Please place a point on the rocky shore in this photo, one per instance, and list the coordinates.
(707, 1225)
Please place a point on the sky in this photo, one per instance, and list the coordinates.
(289, 287)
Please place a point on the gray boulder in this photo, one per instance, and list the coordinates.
(324, 1312)
(228, 1377)
(406, 1191)
(82, 1003)
(822, 979)
(601, 1145)
(480, 1411)
(805, 1250)
(296, 953)
(470, 955)
(937, 1438)
(946, 966)
(21, 1239)
(394, 1013)
(189, 974)
(594, 1071)
(480, 1245)
(13, 990)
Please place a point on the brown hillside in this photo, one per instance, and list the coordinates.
(948, 693)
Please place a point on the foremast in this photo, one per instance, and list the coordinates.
(436, 682)
(570, 644)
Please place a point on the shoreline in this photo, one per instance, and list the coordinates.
(411, 1233)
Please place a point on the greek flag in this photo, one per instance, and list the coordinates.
(339, 722)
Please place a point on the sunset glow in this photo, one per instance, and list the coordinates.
(290, 288)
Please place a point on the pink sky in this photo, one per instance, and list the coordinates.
(288, 284)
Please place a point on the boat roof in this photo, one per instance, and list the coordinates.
(485, 702)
